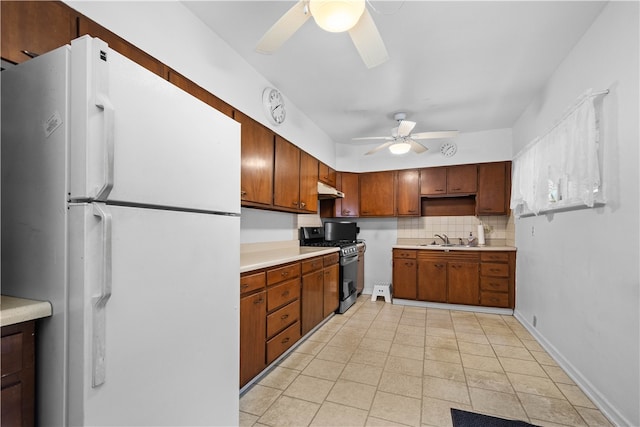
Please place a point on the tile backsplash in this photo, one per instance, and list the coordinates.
(499, 229)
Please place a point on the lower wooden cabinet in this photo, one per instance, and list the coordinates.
(485, 278)
(18, 374)
(279, 304)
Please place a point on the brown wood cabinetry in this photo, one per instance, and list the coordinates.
(405, 270)
(444, 181)
(497, 279)
(253, 311)
(120, 45)
(326, 174)
(494, 186)
(408, 193)
(331, 284)
(256, 170)
(202, 94)
(349, 205)
(18, 374)
(319, 290)
(485, 278)
(295, 185)
(31, 28)
(377, 193)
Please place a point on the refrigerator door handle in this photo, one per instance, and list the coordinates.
(100, 301)
(103, 102)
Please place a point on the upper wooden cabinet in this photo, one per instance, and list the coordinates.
(408, 193)
(295, 185)
(349, 205)
(31, 28)
(493, 188)
(443, 181)
(326, 174)
(308, 183)
(377, 193)
(257, 152)
(200, 93)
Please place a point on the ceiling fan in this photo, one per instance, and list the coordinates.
(402, 140)
(333, 16)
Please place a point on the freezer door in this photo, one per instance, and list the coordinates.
(139, 139)
(154, 323)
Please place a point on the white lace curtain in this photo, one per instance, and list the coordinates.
(559, 169)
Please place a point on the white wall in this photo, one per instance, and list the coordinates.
(577, 271)
(473, 147)
(169, 32)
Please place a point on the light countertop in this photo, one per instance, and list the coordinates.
(422, 244)
(268, 255)
(16, 310)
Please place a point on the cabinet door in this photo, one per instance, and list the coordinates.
(117, 43)
(326, 174)
(202, 94)
(308, 183)
(286, 185)
(377, 193)
(349, 205)
(433, 181)
(462, 179)
(331, 290)
(408, 194)
(432, 280)
(256, 170)
(404, 278)
(492, 189)
(34, 27)
(463, 283)
(312, 300)
(253, 325)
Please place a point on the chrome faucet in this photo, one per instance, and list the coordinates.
(445, 239)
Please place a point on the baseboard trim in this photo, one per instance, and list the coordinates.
(603, 404)
(457, 307)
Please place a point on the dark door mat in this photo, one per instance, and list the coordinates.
(471, 419)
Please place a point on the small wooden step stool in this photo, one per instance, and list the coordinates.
(381, 290)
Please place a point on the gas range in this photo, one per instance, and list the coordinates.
(314, 236)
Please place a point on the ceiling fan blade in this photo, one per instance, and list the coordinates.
(405, 127)
(379, 147)
(435, 134)
(367, 39)
(388, 138)
(416, 146)
(284, 28)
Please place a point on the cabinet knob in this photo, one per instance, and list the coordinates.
(244, 285)
(286, 340)
(30, 54)
(285, 293)
(303, 204)
(259, 301)
(284, 273)
(284, 317)
(346, 212)
(243, 193)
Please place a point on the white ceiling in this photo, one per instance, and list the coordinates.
(468, 66)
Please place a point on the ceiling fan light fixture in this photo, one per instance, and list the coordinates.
(401, 147)
(336, 16)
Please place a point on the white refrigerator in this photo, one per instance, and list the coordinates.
(120, 206)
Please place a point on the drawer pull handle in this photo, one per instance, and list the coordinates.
(30, 54)
(285, 273)
(286, 340)
(284, 317)
(346, 211)
(259, 301)
(285, 293)
(494, 270)
(244, 285)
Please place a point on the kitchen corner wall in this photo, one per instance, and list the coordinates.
(498, 230)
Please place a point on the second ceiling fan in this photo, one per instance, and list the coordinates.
(333, 16)
(402, 140)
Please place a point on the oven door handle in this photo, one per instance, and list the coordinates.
(346, 260)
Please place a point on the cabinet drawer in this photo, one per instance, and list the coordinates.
(280, 274)
(331, 259)
(281, 342)
(282, 294)
(312, 264)
(11, 354)
(493, 269)
(280, 319)
(252, 282)
(494, 299)
(495, 284)
(494, 256)
(401, 253)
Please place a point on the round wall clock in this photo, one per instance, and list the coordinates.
(448, 149)
(273, 103)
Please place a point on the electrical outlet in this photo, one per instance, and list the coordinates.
(533, 231)
(535, 321)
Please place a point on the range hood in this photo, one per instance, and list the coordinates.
(327, 192)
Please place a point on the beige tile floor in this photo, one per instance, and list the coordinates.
(382, 364)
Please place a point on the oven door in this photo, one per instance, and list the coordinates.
(348, 275)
